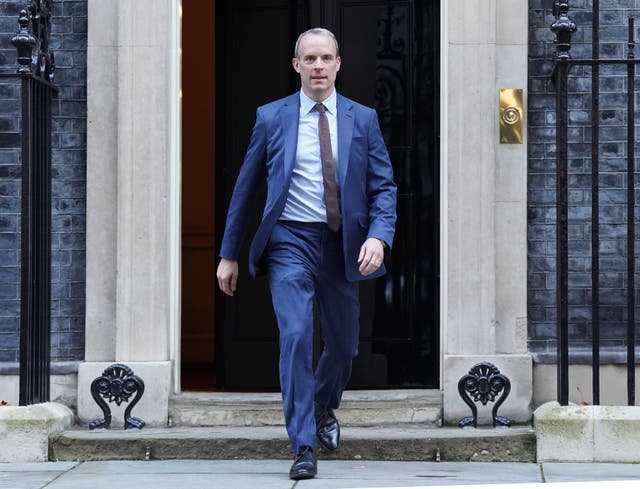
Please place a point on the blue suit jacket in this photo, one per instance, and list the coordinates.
(365, 178)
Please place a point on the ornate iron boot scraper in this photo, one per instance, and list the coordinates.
(484, 383)
(117, 384)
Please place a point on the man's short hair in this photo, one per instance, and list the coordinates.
(316, 30)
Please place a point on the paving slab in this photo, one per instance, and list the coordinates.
(344, 474)
(37, 467)
(26, 480)
(183, 474)
(31, 475)
(563, 472)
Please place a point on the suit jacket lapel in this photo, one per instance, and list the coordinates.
(345, 131)
(289, 119)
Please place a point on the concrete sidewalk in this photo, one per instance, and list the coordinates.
(333, 474)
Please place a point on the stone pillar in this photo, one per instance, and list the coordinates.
(102, 188)
(511, 185)
(142, 210)
(484, 246)
(129, 160)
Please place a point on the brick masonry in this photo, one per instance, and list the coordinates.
(69, 43)
(613, 180)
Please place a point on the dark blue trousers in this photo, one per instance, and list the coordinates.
(306, 260)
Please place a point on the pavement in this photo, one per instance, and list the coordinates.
(333, 474)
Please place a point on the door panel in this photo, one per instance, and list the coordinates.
(390, 57)
(255, 67)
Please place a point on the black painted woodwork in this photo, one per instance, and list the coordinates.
(390, 60)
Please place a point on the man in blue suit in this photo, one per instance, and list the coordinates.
(329, 215)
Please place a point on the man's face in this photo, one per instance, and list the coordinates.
(318, 65)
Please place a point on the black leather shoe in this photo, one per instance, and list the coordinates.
(304, 466)
(327, 428)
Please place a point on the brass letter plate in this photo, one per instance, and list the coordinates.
(511, 115)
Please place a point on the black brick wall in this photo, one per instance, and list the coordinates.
(69, 43)
(9, 192)
(613, 179)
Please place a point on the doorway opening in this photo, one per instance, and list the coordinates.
(390, 60)
(198, 198)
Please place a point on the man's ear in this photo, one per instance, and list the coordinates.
(339, 61)
(296, 64)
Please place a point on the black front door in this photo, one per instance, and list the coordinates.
(390, 61)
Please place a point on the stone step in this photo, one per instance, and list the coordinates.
(390, 442)
(358, 408)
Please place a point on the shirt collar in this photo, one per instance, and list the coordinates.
(307, 104)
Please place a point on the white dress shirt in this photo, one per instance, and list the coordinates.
(305, 201)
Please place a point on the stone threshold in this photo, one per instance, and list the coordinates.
(358, 408)
(428, 395)
(391, 442)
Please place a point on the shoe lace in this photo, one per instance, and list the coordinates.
(303, 451)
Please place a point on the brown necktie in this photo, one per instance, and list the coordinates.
(331, 198)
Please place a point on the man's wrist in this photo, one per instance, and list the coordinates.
(383, 243)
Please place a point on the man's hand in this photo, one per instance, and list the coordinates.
(227, 275)
(371, 256)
